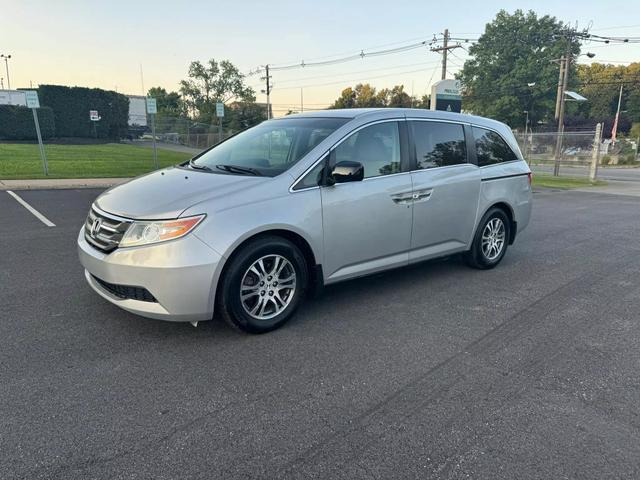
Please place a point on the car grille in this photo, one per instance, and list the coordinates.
(104, 231)
(126, 291)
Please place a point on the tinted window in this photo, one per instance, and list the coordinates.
(491, 148)
(439, 144)
(273, 146)
(377, 147)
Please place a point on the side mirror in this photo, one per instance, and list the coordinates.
(346, 171)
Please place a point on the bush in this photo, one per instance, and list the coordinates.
(629, 159)
(71, 106)
(605, 160)
(16, 123)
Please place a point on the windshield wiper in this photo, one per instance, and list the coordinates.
(238, 169)
(198, 166)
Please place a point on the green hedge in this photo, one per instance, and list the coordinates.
(71, 106)
(16, 123)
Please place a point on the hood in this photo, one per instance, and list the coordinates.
(169, 192)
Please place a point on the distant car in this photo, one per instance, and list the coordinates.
(250, 226)
(572, 151)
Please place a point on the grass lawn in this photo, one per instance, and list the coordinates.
(549, 181)
(22, 161)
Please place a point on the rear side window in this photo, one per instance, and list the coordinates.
(439, 144)
(491, 148)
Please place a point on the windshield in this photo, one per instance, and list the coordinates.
(269, 148)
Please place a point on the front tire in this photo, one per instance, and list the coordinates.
(490, 241)
(263, 285)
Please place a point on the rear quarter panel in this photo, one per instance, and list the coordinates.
(506, 183)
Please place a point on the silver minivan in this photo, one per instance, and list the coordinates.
(251, 226)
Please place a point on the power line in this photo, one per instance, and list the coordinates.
(352, 80)
(358, 71)
(355, 56)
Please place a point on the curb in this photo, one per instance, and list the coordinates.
(62, 183)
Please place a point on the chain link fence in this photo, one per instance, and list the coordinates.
(576, 152)
(184, 132)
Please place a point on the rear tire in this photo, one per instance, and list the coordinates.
(263, 285)
(490, 241)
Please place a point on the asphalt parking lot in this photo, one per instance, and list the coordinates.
(530, 370)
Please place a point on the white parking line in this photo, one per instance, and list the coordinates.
(36, 213)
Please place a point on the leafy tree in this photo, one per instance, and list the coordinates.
(241, 115)
(514, 53)
(169, 103)
(395, 97)
(211, 83)
(600, 83)
(366, 96)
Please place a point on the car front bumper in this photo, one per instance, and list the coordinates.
(181, 275)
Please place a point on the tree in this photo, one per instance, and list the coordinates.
(513, 68)
(211, 83)
(600, 83)
(169, 103)
(366, 96)
(395, 97)
(243, 115)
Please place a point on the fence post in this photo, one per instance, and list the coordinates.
(595, 153)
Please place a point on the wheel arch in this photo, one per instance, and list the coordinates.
(314, 268)
(506, 208)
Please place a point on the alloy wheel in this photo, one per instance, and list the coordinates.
(268, 286)
(493, 238)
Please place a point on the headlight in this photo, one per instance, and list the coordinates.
(144, 233)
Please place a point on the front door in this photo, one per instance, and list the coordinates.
(367, 224)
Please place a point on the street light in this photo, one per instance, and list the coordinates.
(6, 66)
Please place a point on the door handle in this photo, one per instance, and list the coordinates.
(414, 196)
(422, 195)
(402, 198)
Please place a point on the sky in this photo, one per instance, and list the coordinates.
(104, 43)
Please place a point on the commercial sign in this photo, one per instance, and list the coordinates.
(13, 97)
(446, 95)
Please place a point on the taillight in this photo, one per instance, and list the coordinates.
(530, 177)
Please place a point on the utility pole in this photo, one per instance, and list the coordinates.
(526, 124)
(445, 49)
(563, 89)
(267, 90)
(560, 83)
(301, 100)
(445, 44)
(6, 66)
(595, 153)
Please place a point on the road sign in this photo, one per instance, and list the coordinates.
(219, 109)
(93, 115)
(152, 106)
(31, 96)
(152, 109)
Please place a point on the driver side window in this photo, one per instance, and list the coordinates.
(376, 147)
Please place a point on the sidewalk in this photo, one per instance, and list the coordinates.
(54, 183)
(615, 187)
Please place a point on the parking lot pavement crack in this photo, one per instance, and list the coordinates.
(435, 383)
(149, 445)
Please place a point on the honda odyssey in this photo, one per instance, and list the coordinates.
(249, 227)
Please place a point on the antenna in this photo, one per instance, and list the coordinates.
(142, 81)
